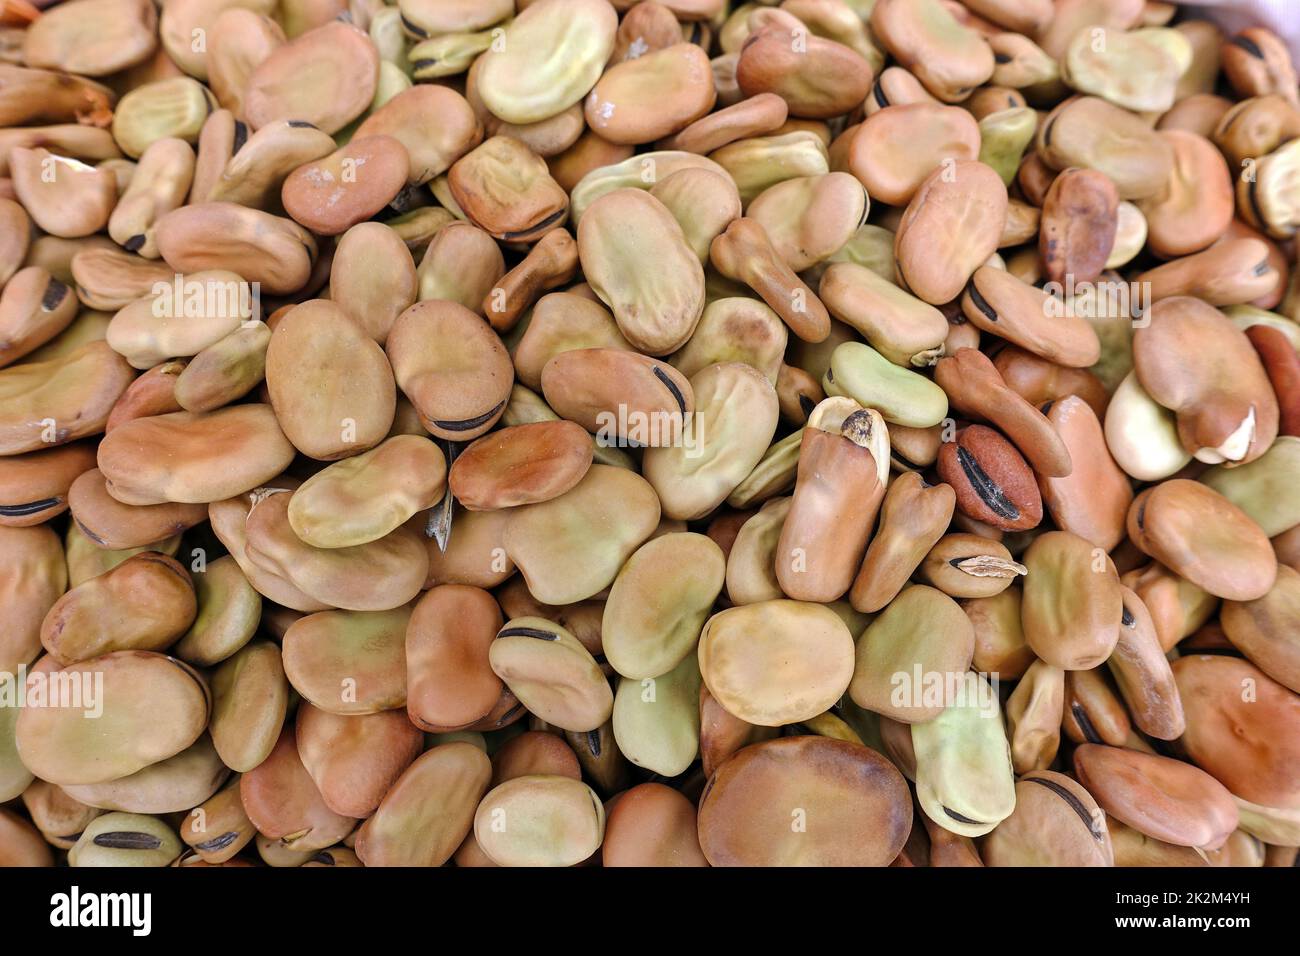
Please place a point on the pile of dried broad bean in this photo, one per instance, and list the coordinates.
(841, 432)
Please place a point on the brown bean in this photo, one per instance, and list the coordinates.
(1202, 536)
(1240, 727)
(284, 803)
(1078, 226)
(1093, 500)
(1164, 798)
(331, 195)
(974, 387)
(450, 681)
(816, 77)
(326, 77)
(746, 809)
(951, 226)
(112, 524)
(992, 481)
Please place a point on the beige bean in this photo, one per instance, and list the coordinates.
(571, 547)
(452, 367)
(255, 245)
(313, 343)
(776, 662)
(62, 747)
(376, 576)
(65, 197)
(47, 403)
(551, 57)
(619, 234)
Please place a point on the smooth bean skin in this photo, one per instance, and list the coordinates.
(589, 433)
(557, 821)
(744, 820)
